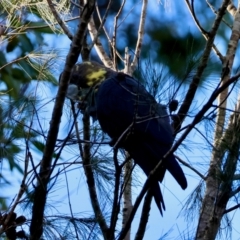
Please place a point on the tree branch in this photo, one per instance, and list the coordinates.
(116, 202)
(206, 35)
(90, 179)
(232, 209)
(59, 20)
(140, 36)
(98, 45)
(145, 215)
(231, 8)
(218, 183)
(190, 167)
(203, 63)
(41, 191)
(114, 38)
(153, 173)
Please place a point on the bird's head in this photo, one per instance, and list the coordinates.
(84, 78)
(83, 85)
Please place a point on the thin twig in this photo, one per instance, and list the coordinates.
(145, 215)
(206, 35)
(203, 63)
(115, 206)
(107, 35)
(140, 35)
(232, 209)
(70, 206)
(215, 12)
(90, 179)
(102, 22)
(189, 166)
(59, 20)
(114, 38)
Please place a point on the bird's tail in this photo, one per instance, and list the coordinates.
(170, 163)
(176, 171)
(158, 197)
(144, 159)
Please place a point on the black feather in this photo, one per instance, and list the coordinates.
(124, 105)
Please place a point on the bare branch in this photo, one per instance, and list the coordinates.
(145, 215)
(196, 79)
(116, 200)
(140, 35)
(218, 190)
(114, 38)
(127, 196)
(190, 167)
(102, 22)
(107, 35)
(40, 195)
(90, 179)
(231, 8)
(98, 45)
(232, 208)
(206, 35)
(153, 173)
(59, 20)
(215, 12)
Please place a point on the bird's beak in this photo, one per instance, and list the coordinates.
(72, 92)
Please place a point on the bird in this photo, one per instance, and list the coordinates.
(130, 116)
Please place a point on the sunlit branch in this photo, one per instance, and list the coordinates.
(107, 35)
(98, 45)
(102, 22)
(140, 35)
(231, 8)
(226, 71)
(114, 38)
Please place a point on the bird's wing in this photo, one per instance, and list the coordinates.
(125, 103)
(124, 106)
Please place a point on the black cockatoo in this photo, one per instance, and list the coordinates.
(130, 116)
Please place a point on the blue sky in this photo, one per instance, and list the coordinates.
(174, 196)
